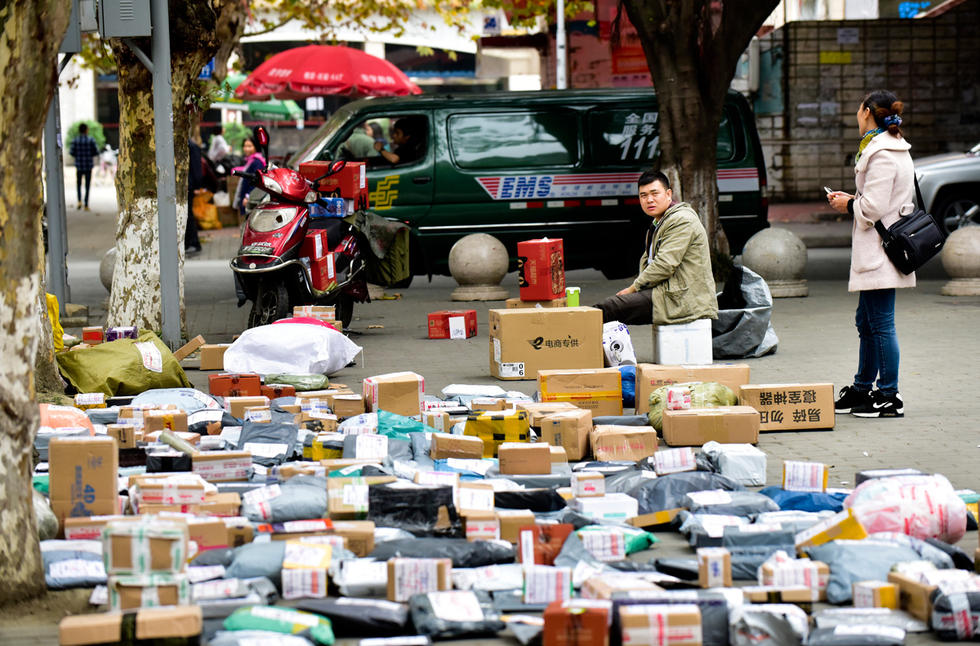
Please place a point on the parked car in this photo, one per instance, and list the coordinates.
(522, 165)
(950, 186)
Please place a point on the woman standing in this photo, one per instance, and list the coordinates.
(254, 161)
(885, 180)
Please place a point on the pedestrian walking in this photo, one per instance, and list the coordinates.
(84, 151)
(885, 180)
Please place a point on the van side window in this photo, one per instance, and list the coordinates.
(527, 139)
(625, 136)
(726, 138)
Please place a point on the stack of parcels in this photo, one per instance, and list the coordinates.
(145, 560)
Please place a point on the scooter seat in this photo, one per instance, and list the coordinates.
(336, 229)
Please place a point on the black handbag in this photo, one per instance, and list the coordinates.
(911, 241)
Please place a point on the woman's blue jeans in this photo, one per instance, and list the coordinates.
(878, 356)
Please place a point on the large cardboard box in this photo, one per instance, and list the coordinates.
(569, 430)
(444, 446)
(151, 625)
(697, 426)
(666, 625)
(684, 343)
(790, 407)
(541, 269)
(630, 443)
(408, 576)
(522, 458)
(511, 522)
(537, 411)
(396, 392)
(514, 303)
(83, 480)
(145, 547)
(523, 341)
(650, 376)
(598, 390)
(226, 384)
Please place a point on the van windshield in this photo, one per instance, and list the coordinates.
(315, 147)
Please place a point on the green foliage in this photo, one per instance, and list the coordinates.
(235, 134)
(94, 131)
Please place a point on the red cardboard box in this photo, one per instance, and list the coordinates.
(229, 385)
(323, 272)
(444, 324)
(350, 183)
(541, 269)
(274, 391)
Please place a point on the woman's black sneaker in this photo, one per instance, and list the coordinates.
(849, 397)
(881, 405)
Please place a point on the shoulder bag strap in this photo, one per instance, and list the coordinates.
(918, 193)
(882, 231)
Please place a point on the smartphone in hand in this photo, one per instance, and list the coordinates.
(828, 190)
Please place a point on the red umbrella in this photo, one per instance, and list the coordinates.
(317, 70)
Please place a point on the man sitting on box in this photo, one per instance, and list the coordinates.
(675, 284)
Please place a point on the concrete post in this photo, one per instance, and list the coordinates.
(57, 278)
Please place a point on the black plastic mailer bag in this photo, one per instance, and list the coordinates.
(537, 500)
(666, 492)
(359, 617)
(464, 554)
(423, 511)
(454, 614)
(956, 612)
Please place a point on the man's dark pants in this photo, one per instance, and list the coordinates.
(632, 309)
(87, 175)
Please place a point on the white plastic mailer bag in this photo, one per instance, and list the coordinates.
(290, 348)
(616, 345)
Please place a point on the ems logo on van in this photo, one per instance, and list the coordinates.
(542, 187)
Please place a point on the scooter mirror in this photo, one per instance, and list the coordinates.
(262, 136)
(334, 168)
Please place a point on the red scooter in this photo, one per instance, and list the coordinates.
(298, 250)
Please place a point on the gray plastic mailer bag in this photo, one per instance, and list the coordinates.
(454, 613)
(750, 549)
(732, 503)
(743, 327)
(856, 636)
(271, 442)
(298, 498)
(666, 492)
(769, 624)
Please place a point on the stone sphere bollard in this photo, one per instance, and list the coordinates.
(478, 262)
(107, 267)
(961, 260)
(779, 256)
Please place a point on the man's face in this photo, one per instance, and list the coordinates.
(398, 137)
(655, 199)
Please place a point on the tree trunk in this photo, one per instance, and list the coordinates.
(32, 31)
(135, 296)
(692, 48)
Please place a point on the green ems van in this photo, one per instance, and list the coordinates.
(523, 165)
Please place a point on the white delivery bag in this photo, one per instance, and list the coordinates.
(290, 348)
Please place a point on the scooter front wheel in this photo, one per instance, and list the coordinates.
(271, 304)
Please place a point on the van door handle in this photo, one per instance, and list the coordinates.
(424, 179)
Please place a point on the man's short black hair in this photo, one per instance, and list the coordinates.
(83, 128)
(651, 176)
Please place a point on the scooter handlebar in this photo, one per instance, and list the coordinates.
(253, 177)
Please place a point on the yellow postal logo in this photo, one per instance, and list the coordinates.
(385, 193)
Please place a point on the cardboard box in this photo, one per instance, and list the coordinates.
(396, 392)
(236, 405)
(437, 419)
(522, 458)
(515, 303)
(804, 476)
(683, 344)
(213, 356)
(145, 547)
(496, 427)
(275, 391)
(221, 504)
(616, 507)
(85, 401)
(650, 376)
(408, 576)
(130, 592)
(714, 567)
(222, 466)
(588, 483)
(604, 586)
(125, 435)
(347, 498)
(541, 269)
(261, 414)
(599, 390)
(799, 595)
(875, 594)
(89, 528)
(666, 625)
(190, 438)
(558, 454)
(843, 524)
(359, 535)
(207, 533)
(92, 334)
(348, 405)
(452, 324)
(83, 476)
(654, 519)
(569, 429)
(697, 426)
(546, 583)
(569, 623)
(318, 312)
(618, 443)
(914, 596)
(488, 403)
(474, 498)
(151, 624)
(668, 461)
(482, 528)
(789, 407)
(445, 446)
(164, 420)
(349, 183)
(304, 583)
(511, 521)
(231, 385)
(524, 341)
(537, 411)
(167, 489)
(189, 348)
(812, 575)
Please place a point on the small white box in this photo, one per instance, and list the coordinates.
(686, 343)
(613, 506)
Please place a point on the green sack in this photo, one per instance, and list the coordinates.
(399, 426)
(301, 383)
(281, 620)
(123, 367)
(704, 394)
